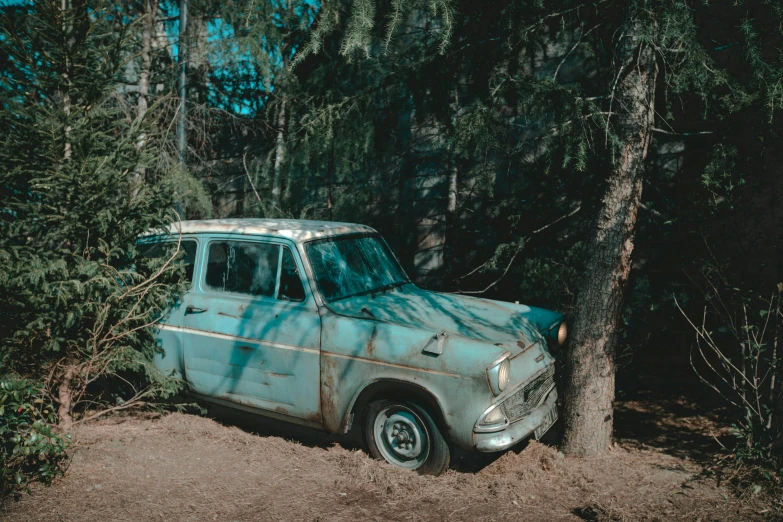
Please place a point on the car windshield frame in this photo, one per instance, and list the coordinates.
(314, 267)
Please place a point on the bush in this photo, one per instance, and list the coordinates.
(737, 354)
(29, 450)
(76, 191)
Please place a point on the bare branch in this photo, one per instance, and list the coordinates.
(250, 179)
(661, 131)
(511, 261)
(523, 241)
(652, 211)
(134, 402)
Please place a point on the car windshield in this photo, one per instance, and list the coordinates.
(350, 266)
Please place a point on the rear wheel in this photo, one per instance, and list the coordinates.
(404, 434)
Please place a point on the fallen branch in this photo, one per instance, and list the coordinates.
(132, 403)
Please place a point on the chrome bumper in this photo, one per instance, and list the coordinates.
(516, 432)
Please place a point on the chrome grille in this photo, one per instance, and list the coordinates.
(526, 398)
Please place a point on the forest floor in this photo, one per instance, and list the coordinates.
(231, 466)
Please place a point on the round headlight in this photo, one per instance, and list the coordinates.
(504, 374)
(562, 334)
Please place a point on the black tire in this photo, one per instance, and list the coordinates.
(417, 444)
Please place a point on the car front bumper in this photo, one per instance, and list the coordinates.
(516, 432)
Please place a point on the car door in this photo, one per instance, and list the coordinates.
(251, 331)
(169, 358)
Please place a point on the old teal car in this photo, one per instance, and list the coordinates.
(316, 323)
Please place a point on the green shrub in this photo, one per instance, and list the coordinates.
(76, 191)
(29, 450)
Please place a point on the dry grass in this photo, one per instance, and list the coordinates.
(185, 467)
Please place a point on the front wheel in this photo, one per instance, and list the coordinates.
(404, 434)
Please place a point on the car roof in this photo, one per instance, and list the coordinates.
(296, 229)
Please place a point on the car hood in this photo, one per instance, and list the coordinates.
(470, 317)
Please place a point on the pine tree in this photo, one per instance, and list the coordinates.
(74, 303)
(526, 99)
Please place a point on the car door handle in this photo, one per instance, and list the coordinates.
(194, 310)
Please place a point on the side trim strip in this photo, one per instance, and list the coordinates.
(391, 365)
(305, 350)
(237, 338)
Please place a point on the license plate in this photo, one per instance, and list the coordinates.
(546, 423)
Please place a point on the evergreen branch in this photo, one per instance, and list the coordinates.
(394, 20)
(162, 269)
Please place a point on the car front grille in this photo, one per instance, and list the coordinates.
(529, 396)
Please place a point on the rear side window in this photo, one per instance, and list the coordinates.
(165, 249)
(243, 267)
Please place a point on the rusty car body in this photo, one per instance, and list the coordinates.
(316, 323)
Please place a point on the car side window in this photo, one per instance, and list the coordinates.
(291, 288)
(242, 267)
(187, 254)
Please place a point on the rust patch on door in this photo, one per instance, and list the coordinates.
(328, 406)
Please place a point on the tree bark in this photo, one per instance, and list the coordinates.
(150, 8)
(277, 179)
(65, 397)
(182, 115)
(142, 104)
(66, 93)
(277, 175)
(452, 200)
(590, 361)
(182, 57)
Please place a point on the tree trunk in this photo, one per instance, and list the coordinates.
(150, 9)
(277, 180)
(182, 56)
(452, 223)
(277, 175)
(65, 95)
(65, 397)
(590, 361)
(182, 115)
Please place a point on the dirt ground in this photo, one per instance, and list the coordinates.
(235, 467)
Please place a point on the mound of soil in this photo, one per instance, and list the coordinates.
(187, 467)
